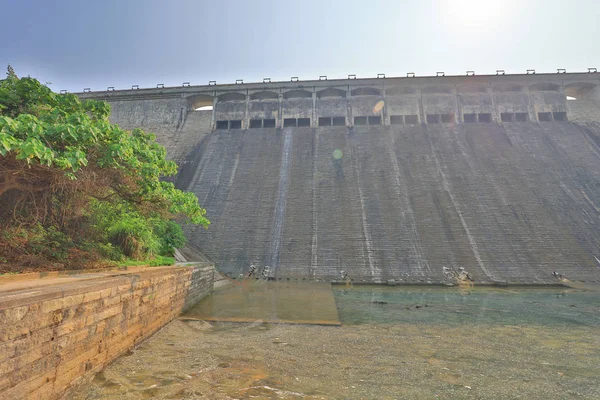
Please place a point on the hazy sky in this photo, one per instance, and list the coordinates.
(83, 43)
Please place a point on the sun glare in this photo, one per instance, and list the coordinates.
(473, 13)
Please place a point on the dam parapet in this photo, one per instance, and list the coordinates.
(409, 100)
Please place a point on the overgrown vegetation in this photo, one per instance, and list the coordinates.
(77, 191)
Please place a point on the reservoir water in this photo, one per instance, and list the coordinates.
(391, 343)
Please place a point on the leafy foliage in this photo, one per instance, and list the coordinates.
(64, 165)
(136, 235)
(156, 262)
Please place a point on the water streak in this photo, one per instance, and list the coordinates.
(216, 180)
(407, 211)
(448, 188)
(315, 222)
(278, 218)
(375, 271)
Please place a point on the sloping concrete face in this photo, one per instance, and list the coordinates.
(508, 197)
(506, 202)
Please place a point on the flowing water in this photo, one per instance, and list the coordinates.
(393, 343)
(282, 189)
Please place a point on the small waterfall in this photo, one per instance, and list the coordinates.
(449, 190)
(281, 200)
(408, 216)
(314, 248)
(374, 269)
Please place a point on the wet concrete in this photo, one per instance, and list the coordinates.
(269, 301)
(507, 202)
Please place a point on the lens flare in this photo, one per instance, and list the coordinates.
(378, 107)
(337, 154)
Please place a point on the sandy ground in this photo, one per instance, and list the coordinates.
(200, 360)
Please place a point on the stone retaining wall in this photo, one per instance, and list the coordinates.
(54, 336)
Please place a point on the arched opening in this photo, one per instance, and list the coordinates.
(297, 94)
(471, 89)
(331, 92)
(439, 89)
(507, 87)
(264, 95)
(232, 97)
(200, 102)
(579, 90)
(400, 91)
(544, 87)
(366, 91)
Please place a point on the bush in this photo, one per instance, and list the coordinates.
(133, 234)
(170, 235)
(155, 262)
(108, 251)
(67, 173)
(49, 242)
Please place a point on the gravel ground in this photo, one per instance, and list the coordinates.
(200, 360)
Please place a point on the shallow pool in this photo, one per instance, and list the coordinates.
(478, 305)
(394, 342)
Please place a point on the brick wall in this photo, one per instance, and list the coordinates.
(54, 336)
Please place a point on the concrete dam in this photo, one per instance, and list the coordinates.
(392, 180)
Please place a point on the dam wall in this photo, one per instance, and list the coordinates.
(399, 180)
(58, 331)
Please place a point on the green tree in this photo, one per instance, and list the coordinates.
(58, 154)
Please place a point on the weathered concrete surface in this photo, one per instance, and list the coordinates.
(56, 332)
(506, 200)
